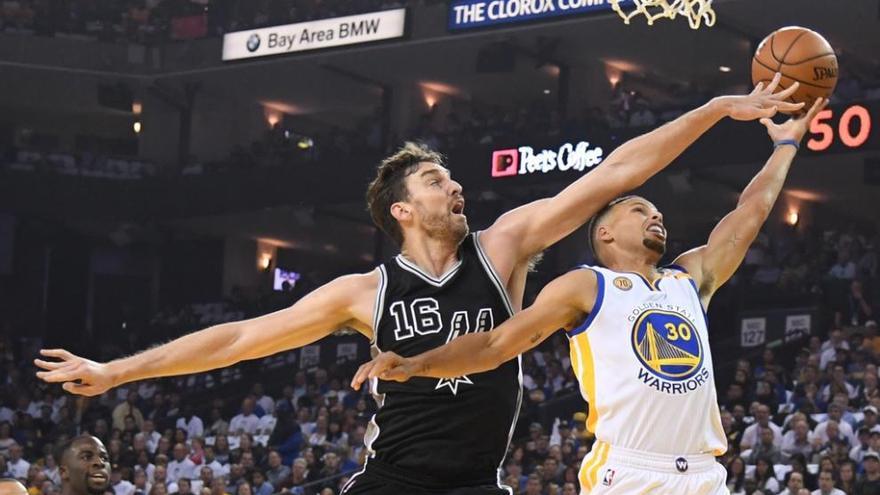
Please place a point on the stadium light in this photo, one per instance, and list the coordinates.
(137, 127)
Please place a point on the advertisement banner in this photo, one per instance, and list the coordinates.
(469, 14)
(312, 35)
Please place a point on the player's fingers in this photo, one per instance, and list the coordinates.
(57, 353)
(360, 376)
(768, 112)
(80, 389)
(766, 122)
(817, 107)
(785, 93)
(786, 106)
(758, 88)
(50, 365)
(394, 374)
(772, 86)
(56, 376)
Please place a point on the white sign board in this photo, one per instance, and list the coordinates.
(753, 332)
(312, 35)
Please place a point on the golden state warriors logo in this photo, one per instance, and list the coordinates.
(669, 348)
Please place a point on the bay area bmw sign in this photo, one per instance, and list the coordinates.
(312, 35)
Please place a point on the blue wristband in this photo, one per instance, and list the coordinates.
(792, 142)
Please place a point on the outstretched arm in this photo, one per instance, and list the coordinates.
(532, 228)
(344, 301)
(712, 264)
(561, 304)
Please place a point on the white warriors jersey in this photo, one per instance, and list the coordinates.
(643, 362)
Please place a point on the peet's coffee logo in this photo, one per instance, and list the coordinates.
(822, 73)
(525, 160)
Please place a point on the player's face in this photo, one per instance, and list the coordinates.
(639, 225)
(435, 204)
(87, 467)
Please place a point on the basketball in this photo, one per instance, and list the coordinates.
(801, 55)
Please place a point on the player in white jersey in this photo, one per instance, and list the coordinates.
(639, 338)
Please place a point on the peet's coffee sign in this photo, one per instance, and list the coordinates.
(525, 160)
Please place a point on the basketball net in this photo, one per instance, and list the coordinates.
(697, 12)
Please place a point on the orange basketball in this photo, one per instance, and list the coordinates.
(799, 54)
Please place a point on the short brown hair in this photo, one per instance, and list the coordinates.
(389, 186)
(593, 226)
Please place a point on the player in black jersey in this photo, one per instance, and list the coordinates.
(429, 436)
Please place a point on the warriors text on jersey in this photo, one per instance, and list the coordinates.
(442, 432)
(642, 358)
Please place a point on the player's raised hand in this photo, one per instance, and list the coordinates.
(77, 375)
(763, 101)
(796, 127)
(386, 366)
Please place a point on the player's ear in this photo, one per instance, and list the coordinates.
(401, 211)
(603, 233)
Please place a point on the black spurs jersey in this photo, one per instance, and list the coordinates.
(433, 432)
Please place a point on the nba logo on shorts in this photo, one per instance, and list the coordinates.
(505, 163)
(608, 478)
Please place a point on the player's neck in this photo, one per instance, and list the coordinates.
(435, 257)
(646, 267)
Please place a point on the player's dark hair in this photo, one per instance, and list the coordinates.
(389, 186)
(597, 218)
(62, 449)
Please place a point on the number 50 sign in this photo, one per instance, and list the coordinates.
(852, 129)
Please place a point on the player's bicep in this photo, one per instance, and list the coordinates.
(561, 303)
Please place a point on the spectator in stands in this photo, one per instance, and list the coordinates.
(184, 486)
(869, 484)
(277, 471)
(765, 448)
(119, 485)
(762, 420)
(840, 428)
(838, 384)
(854, 309)
(211, 462)
(846, 481)
(181, 466)
(190, 423)
(736, 475)
(858, 452)
(17, 466)
(869, 421)
(765, 475)
(826, 484)
(260, 485)
(128, 408)
(844, 268)
(142, 484)
(219, 426)
(794, 482)
(798, 440)
(246, 421)
(221, 449)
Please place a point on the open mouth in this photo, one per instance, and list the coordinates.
(458, 207)
(657, 229)
(98, 477)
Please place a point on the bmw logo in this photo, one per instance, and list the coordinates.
(253, 42)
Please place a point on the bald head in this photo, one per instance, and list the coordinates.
(9, 486)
